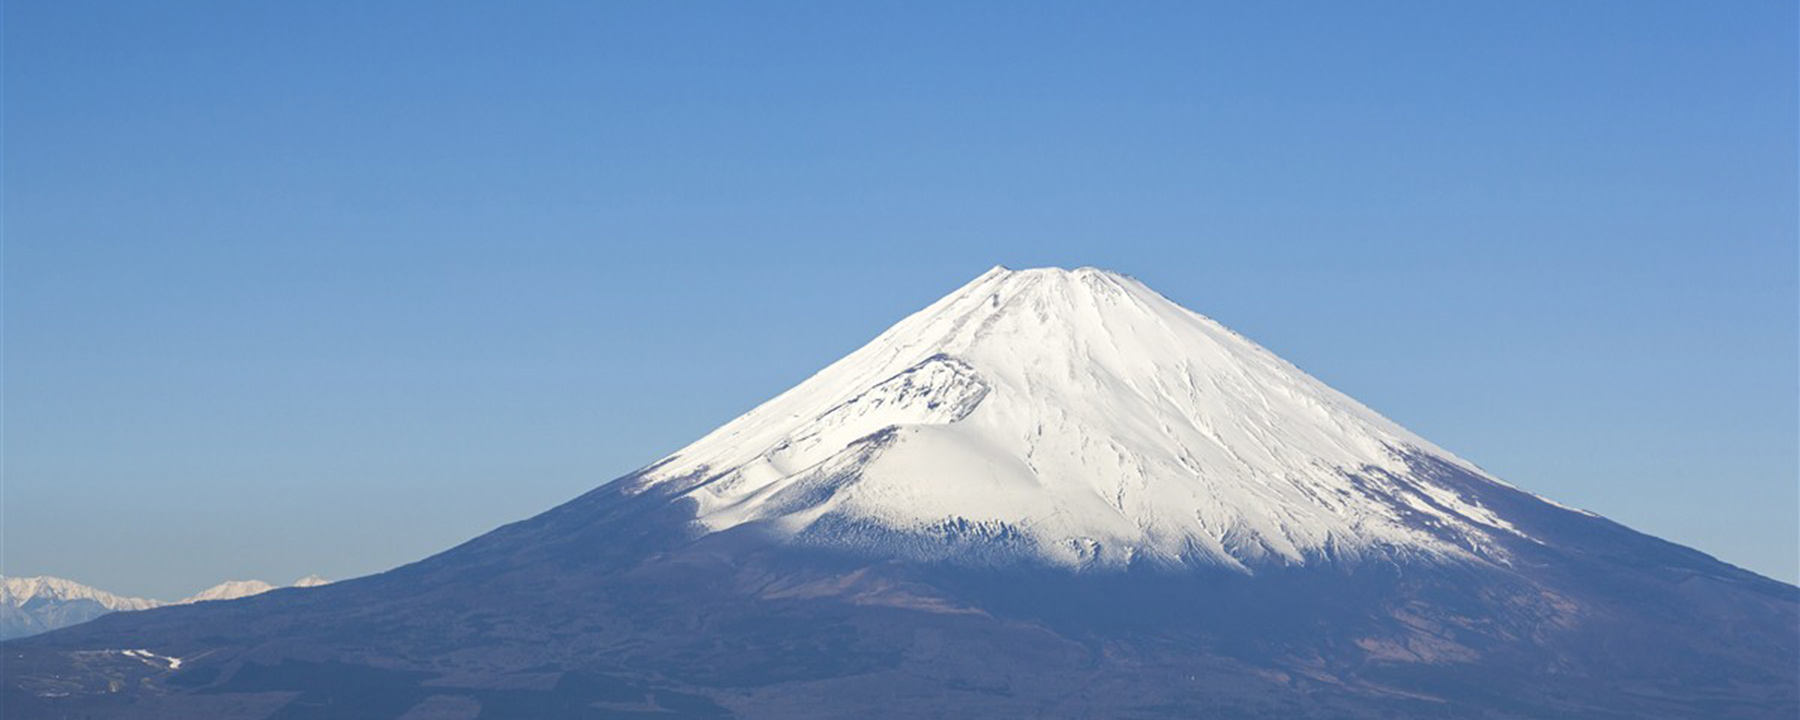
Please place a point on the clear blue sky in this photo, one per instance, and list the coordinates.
(326, 287)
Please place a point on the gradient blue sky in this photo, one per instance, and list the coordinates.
(327, 287)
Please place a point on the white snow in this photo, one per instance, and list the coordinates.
(150, 658)
(1090, 416)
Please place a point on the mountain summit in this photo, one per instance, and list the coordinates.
(1053, 494)
(1077, 418)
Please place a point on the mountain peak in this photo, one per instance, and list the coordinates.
(30, 605)
(229, 590)
(1077, 418)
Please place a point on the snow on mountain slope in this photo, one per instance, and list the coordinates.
(1078, 418)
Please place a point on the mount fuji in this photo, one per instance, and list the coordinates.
(1079, 419)
(1052, 493)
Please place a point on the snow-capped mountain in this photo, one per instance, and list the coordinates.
(30, 605)
(17, 591)
(1085, 420)
(1051, 494)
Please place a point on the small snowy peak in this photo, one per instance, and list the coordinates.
(1077, 417)
(229, 590)
(234, 589)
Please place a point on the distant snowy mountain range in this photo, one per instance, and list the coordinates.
(31, 605)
